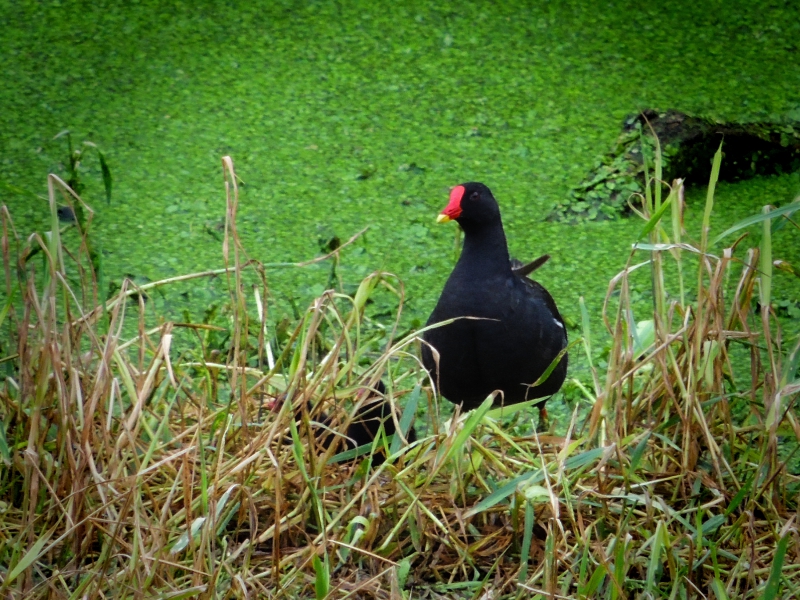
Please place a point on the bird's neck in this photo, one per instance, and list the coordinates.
(485, 248)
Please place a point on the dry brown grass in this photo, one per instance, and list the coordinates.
(133, 468)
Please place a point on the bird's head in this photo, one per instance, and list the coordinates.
(470, 204)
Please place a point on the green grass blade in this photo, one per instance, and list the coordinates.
(583, 459)
(322, 582)
(719, 588)
(619, 566)
(659, 172)
(675, 199)
(473, 420)
(532, 477)
(765, 268)
(584, 564)
(657, 547)
(506, 411)
(555, 362)
(587, 332)
(363, 293)
(223, 501)
(33, 553)
(527, 536)
(716, 583)
(648, 192)
(403, 569)
(653, 220)
(790, 364)
(711, 525)
(7, 306)
(188, 535)
(712, 186)
(759, 218)
(297, 449)
(737, 499)
(638, 452)
(201, 451)
(504, 492)
(771, 589)
(595, 581)
(5, 450)
(406, 418)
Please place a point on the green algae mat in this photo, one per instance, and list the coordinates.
(341, 116)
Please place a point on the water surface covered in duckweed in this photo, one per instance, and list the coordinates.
(345, 115)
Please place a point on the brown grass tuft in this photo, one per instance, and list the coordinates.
(136, 468)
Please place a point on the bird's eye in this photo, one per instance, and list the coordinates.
(474, 196)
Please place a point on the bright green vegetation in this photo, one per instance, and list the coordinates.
(309, 96)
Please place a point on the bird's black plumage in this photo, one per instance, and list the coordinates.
(512, 330)
(375, 413)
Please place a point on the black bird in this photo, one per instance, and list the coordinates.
(516, 332)
(362, 430)
(366, 424)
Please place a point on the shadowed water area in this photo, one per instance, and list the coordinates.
(341, 116)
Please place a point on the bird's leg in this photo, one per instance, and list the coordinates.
(544, 422)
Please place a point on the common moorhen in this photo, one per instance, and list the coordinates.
(375, 412)
(515, 331)
(366, 424)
